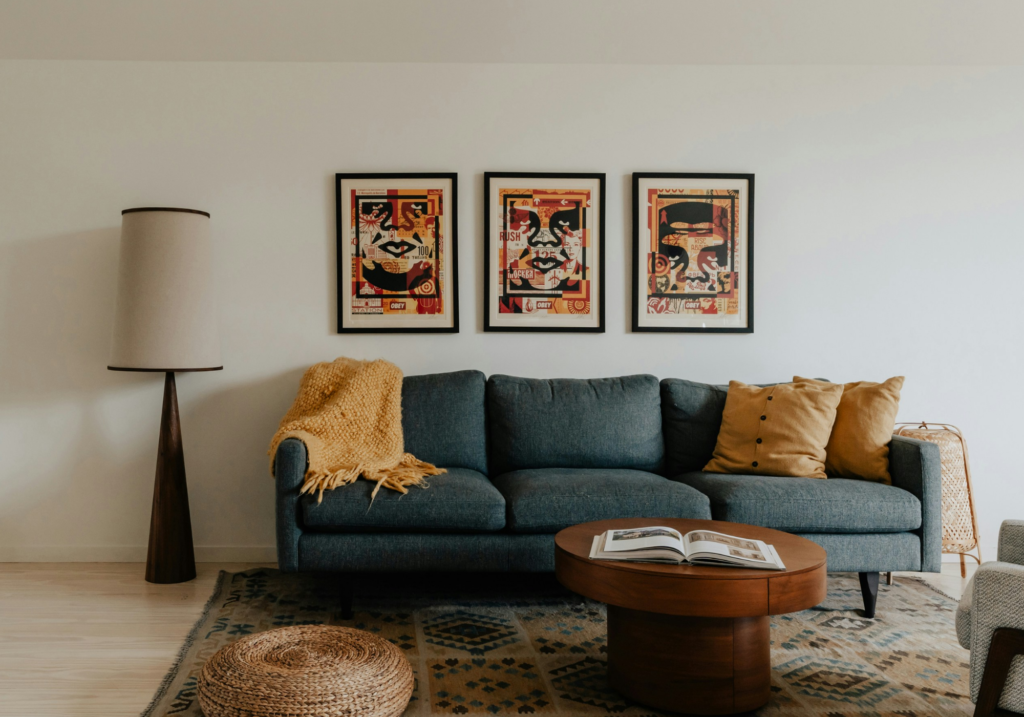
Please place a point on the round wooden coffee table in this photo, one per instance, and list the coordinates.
(691, 639)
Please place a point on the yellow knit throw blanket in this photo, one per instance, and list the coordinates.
(349, 415)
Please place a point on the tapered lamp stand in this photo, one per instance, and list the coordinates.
(165, 321)
(171, 558)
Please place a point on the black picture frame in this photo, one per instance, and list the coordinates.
(635, 282)
(488, 269)
(453, 177)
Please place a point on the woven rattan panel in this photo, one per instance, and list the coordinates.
(958, 533)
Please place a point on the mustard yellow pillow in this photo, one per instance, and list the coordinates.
(865, 419)
(776, 430)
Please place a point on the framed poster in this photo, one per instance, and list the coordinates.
(398, 268)
(693, 252)
(543, 252)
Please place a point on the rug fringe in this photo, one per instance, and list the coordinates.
(218, 586)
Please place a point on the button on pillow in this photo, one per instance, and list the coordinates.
(776, 430)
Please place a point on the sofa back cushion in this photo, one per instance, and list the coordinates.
(443, 419)
(574, 423)
(692, 415)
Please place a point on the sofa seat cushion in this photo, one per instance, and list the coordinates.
(459, 500)
(545, 500)
(833, 505)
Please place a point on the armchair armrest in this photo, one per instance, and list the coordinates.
(997, 602)
(289, 474)
(1011, 542)
(915, 466)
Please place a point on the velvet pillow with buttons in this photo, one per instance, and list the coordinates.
(776, 430)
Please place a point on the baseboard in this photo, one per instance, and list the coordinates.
(130, 554)
(236, 554)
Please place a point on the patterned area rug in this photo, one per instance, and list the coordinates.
(488, 645)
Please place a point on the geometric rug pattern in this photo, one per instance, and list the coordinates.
(540, 650)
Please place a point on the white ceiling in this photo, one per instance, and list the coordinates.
(878, 32)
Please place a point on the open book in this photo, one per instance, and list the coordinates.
(698, 547)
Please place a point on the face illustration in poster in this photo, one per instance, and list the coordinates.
(544, 252)
(396, 249)
(693, 253)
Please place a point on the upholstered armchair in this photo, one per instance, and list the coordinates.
(990, 623)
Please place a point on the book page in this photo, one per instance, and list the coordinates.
(643, 539)
(708, 541)
(776, 558)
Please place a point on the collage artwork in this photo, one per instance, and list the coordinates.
(396, 248)
(543, 252)
(691, 265)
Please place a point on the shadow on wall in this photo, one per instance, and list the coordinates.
(226, 435)
(58, 297)
(56, 315)
(331, 264)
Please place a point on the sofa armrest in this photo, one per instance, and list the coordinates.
(915, 467)
(1011, 542)
(996, 602)
(289, 474)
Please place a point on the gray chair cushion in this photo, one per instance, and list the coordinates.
(545, 500)
(563, 423)
(835, 505)
(459, 500)
(963, 616)
(443, 419)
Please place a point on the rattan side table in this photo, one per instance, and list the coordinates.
(959, 516)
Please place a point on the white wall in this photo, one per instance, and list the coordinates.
(693, 32)
(889, 222)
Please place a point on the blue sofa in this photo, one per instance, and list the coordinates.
(528, 457)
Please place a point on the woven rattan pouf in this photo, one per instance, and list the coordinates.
(308, 670)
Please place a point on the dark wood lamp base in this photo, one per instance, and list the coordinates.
(171, 558)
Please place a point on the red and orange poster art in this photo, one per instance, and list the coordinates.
(691, 265)
(544, 251)
(396, 240)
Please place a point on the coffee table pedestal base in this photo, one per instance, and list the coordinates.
(693, 665)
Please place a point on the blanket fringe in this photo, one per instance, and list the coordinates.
(409, 472)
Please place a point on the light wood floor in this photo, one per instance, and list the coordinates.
(95, 639)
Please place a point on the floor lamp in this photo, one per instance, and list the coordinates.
(166, 322)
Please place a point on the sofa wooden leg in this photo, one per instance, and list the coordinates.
(869, 589)
(1006, 644)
